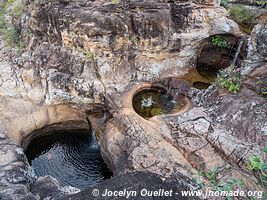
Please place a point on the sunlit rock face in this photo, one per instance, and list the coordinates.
(88, 48)
(80, 52)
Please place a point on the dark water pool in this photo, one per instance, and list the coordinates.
(72, 157)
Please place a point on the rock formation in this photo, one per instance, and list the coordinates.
(81, 55)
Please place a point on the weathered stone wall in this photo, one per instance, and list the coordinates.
(257, 53)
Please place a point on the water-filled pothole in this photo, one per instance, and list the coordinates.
(152, 101)
(216, 53)
(200, 78)
(72, 157)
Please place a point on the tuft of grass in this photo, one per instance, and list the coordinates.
(224, 3)
(90, 56)
(216, 183)
(241, 14)
(263, 92)
(115, 1)
(261, 3)
(229, 79)
(133, 39)
(219, 41)
(259, 167)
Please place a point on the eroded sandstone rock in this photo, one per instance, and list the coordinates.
(16, 175)
(257, 49)
(139, 183)
(83, 53)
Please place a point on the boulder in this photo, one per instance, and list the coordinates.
(136, 185)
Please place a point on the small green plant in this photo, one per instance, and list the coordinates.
(90, 55)
(229, 79)
(12, 36)
(263, 92)
(219, 41)
(261, 3)
(241, 14)
(228, 185)
(217, 184)
(224, 3)
(16, 12)
(257, 165)
(115, 1)
(211, 176)
(133, 39)
(262, 89)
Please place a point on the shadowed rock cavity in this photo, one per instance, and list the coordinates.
(218, 52)
(72, 156)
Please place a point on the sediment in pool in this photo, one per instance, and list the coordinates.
(150, 102)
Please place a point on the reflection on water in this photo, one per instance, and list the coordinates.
(70, 157)
(152, 102)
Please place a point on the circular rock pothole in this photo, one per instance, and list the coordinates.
(71, 156)
(150, 102)
(216, 53)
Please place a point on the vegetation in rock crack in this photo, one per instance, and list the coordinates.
(115, 1)
(224, 3)
(219, 41)
(10, 31)
(262, 87)
(259, 167)
(90, 55)
(133, 39)
(229, 79)
(241, 14)
(217, 183)
(261, 3)
(263, 92)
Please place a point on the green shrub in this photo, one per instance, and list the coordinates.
(241, 14)
(229, 79)
(224, 3)
(219, 41)
(11, 32)
(16, 11)
(261, 3)
(216, 183)
(263, 92)
(259, 167)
